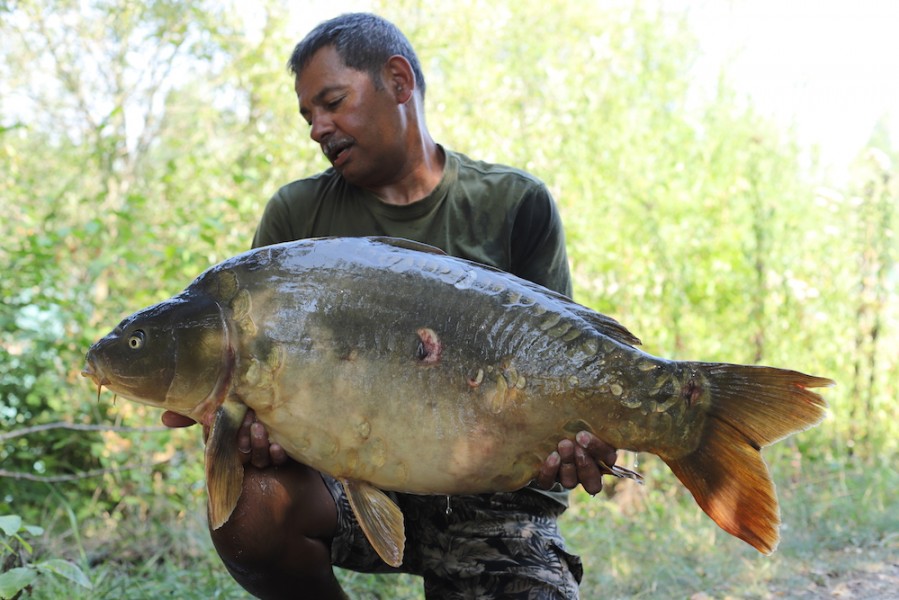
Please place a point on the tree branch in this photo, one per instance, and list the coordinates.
(74, 476)
(78, 427)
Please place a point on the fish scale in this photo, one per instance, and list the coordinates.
(392, 366)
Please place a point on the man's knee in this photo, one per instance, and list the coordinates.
(279, 508)
(278, 538)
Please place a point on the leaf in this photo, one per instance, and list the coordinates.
(14, 580)
(65, 568)
(10, 524)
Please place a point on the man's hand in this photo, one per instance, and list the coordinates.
(584, 461)
(252, 439)
(254, 445)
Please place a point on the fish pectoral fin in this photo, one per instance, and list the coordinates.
(224, 470)
(380, 519)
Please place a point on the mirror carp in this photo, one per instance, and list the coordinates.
(392, 366)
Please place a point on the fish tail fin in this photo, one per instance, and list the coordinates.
(751, 407)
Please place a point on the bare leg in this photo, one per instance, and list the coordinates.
(277, 543)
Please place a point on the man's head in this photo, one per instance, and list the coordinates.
(363, 41)
(356, 78)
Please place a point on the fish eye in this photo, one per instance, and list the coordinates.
(136, 339)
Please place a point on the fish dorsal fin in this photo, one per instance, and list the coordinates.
(224, 470)
(602, 323)
(380, 519)
(408, 244)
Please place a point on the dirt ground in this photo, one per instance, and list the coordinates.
(850, 574)
(876, 581)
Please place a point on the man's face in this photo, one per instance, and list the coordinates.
(357, 126)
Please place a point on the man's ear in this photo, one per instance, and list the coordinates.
(399, 78)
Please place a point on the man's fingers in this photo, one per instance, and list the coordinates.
(259, 446)
(567, 470)
(601, 452)
(549, 470)
(568, 475)
(277, 454)
(588, 472)
(582, 461)
(243, 435)
(566, 452)
(254, 445)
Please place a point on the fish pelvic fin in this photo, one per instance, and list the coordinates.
(224, 469)
(380, 519)
(751, 407)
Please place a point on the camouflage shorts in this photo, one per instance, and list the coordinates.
(485, 546)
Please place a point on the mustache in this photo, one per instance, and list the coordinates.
(334, 146)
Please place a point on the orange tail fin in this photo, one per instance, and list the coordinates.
(752, 407)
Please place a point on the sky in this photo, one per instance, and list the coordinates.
(828, 67)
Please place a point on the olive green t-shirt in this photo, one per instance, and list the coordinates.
(491, 214)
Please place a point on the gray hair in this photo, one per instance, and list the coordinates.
(363, 41)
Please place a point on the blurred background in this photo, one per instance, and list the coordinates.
(726, 172)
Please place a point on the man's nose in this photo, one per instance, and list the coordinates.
(322, 126)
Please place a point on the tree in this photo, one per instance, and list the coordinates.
(141, 140)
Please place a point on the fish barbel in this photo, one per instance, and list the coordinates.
(391, 366)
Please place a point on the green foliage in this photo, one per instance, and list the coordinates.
(146, 137)
(20, 573)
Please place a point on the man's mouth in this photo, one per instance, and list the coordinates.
(335, 150)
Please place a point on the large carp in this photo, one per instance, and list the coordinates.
(392, 366)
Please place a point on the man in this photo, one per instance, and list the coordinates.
(361, 90)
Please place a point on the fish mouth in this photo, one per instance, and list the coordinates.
(335, 149)
(96, 376)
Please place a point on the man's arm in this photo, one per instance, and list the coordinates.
(275, 224)
(538, 242)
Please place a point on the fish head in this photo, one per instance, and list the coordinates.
(173, 355)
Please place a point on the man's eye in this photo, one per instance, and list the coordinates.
(333, 104)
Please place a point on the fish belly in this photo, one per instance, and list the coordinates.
(411, 438)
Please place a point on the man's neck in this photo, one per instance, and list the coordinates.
(423, 176)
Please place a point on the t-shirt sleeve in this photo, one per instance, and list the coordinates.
(274, 226)
(538, 242)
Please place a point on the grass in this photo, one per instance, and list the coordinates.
(659, 544)
(839, 518)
